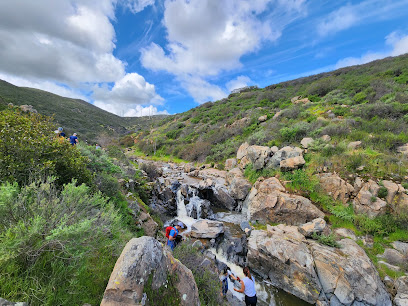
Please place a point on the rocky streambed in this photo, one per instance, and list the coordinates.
(220, 207)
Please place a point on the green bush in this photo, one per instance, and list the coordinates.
(98, 160)
(29, 148)
(253, 175)
(382, 192)
(209, 286)
(57, 248)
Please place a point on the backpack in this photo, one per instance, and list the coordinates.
(168, 230)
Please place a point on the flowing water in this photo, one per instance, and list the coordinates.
(266, 293)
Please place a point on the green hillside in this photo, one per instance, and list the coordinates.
(89, 121)
(367, 103)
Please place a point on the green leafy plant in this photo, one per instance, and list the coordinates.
(329, 240)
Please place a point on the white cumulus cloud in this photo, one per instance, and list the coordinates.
(205, 37)
(46, 43)
(397, 41)
(131, 89)
(239, 82)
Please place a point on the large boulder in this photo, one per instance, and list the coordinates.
(145, 260)
(258, 156)
(335, 186)
(281, 256)
(367, 202)
(207, 229)
(393, 257)
(267, 202)
(306, 142)
(242, 150)
(292, 163)
(348, 276)
(238, 185)
(221, 197)
(282, 154)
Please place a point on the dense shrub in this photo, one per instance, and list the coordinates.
(57, 248)
(379, 109)
(30, 149)
(196, 152)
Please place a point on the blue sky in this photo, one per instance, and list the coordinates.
(145, 57)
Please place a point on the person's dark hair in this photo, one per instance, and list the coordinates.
(247, 273)
(225, 271)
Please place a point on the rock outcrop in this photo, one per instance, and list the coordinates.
(145, 260)
(367, 202)
(267, 202)
(335, 186)
(313, 272)
(348, 276)
(396, 197)
(282, 256)
(258, 155)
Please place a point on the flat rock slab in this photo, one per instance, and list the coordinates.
(207, 229)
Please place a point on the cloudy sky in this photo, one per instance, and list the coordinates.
(143, 57)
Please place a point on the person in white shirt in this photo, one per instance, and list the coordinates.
(247, 287)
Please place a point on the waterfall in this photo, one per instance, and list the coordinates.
(182, 211)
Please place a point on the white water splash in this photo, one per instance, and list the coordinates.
(182, 212)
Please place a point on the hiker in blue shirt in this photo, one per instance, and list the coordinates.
(73, 139)
(173, 234)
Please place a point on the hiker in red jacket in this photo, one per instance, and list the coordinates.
(171, 241)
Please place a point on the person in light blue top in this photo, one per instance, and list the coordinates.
(173, 234)
(247, 287)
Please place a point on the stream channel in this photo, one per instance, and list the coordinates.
(267, 294)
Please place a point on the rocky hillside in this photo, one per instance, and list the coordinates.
(367, 103)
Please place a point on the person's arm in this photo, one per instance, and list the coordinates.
(171, 238)
(242, 287)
